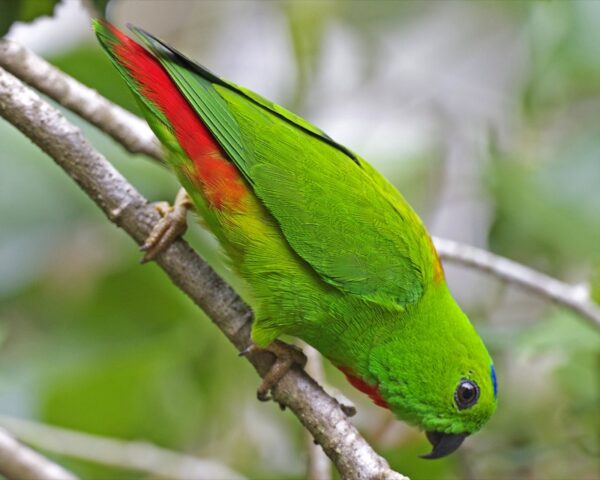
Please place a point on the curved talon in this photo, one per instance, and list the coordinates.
(286, 356)
(163, 208)
(171, 226)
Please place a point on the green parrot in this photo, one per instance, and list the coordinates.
(332, 252)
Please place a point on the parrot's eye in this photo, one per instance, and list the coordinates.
(466, 394)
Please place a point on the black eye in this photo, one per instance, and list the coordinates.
(466, 394)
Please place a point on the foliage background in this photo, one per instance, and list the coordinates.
(486, 115)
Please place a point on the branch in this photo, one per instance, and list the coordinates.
(137, 456)
(126, 128)
(19, 462)
(318, 465)
(132, 132)
(575, 297)
(124, 206)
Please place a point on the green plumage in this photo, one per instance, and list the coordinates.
(332, 253)
(301, 194)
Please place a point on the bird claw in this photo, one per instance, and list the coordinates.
(169, 228)
(286, 356)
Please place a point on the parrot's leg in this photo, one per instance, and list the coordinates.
(171, 226)
(286, 356)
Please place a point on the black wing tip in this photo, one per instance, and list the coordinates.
(175, 54)
(185, 61)
(146, 36)
(139, 30)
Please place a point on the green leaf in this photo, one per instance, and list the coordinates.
(8, 13)
(100, 6)
(595, 283)
(29, 10)
(23, 11)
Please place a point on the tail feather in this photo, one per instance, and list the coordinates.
(148, 79)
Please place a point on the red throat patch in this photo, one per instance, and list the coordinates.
(218, 178)
(371, 390)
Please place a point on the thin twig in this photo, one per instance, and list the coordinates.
(126, 128)
(136, 456)
(18, 462)
(575, 297)
(124, 206)
(136, 137)
(132, 132)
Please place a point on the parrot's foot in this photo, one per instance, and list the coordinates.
(286, 356)
(169, 228)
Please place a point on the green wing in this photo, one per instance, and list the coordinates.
(335, 210)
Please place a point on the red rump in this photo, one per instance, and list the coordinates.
(371, 390)
(219, 179)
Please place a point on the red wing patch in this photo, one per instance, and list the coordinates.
(371, 390)
(218, 177)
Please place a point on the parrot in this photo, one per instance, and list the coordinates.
(332, 253)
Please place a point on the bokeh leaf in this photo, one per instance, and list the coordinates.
(100, 6)
(23, 11)
(595, 282)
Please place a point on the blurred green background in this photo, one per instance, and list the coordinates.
(486, 115)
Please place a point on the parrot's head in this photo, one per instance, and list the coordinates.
(435, 372)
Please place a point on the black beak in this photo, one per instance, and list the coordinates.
(444, 443)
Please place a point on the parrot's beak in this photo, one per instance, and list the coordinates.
(444, 443)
